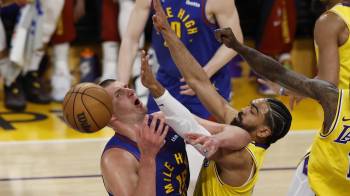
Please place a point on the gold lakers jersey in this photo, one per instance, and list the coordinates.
(343, 11)
(329, 162)
(210, 184)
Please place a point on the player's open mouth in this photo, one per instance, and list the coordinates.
(137, 102)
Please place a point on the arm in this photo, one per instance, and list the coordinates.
(327, 30)
(79, 9)
(130, 41)
(272, 70)
(322, 91)
(230, 139)
(191, 70)
(122, 174)
(120, 171)
(226, 15)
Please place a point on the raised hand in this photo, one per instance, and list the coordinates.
(160, 20)
(147, 77)
(210, 144)
(186, 89)
(227, 37)
(149, 139)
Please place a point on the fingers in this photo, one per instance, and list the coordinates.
(218, 34)
(156, 5)
(262, 81)
(192, 136)
(188, 92)
(200, 140)
(182, 80)
(291, 102)
(165, 132)
(156, 23)
(143, 129)
(153, 124)
(160, 126)
(184, 87)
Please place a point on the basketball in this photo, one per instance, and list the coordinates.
(87, 107)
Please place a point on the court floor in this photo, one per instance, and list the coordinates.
(41, 155)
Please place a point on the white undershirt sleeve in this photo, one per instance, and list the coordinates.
(178, 117)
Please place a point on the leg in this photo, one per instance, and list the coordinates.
(300, 184)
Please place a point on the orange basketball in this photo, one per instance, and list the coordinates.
(87, 107)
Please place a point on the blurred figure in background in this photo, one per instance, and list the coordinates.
(61, 79)
(66, 33)
(196, 31)
(33, 31)
(276, 31)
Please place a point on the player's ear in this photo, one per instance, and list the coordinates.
(264, 132)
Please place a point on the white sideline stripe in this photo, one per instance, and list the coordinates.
(82, 140)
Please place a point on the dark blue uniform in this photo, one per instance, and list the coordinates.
(172, 172)
(188, 20)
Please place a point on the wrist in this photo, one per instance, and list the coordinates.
(157, 90)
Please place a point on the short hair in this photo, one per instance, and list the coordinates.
(106, 82)
(278, 119)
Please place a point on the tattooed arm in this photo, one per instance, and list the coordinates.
(322, 91)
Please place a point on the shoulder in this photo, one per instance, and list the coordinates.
(233, 160)
(145, 4)
(217, 6)
(116, 157)
(329, 21)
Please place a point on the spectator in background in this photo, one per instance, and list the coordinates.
(65, 33)
(275, 34)
(33, 31)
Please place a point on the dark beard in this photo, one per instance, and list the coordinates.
(237, 121)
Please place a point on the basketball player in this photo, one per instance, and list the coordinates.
(328, 165)
(121, 162)
(332, 48)
(266, 121)
(194, 22)
(124, 170)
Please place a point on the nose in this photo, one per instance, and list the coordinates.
(130, 92)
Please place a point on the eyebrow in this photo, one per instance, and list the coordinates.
(254, 106)
(116, 92)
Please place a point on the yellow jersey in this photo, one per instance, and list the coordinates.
(328, 168)
(210, 184)
(343, 11)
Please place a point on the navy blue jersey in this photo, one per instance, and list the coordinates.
(172, 172)
(187, 18)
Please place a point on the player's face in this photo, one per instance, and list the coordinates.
(252, 116)
(124, 99)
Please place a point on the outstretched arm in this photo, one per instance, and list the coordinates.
(322, 91)
(183, 121)
(191, 70)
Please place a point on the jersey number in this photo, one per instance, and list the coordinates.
(176, 27)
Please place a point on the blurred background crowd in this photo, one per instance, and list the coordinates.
(46, 46)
